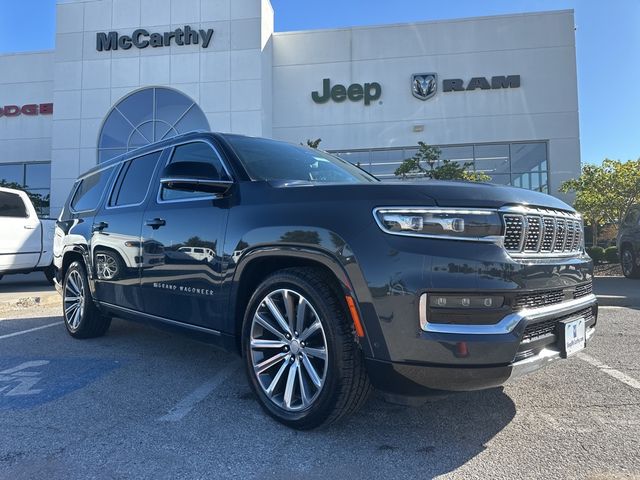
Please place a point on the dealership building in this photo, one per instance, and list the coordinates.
(497, 92)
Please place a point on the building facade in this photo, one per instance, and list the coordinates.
(497, 92)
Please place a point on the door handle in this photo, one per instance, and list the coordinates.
(98, 227)
(156, 223)
(30, 227)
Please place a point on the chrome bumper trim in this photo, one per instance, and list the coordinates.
(509, 322)
(546, 356)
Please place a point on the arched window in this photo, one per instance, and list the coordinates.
(148, 116)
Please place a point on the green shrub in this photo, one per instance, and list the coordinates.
(611, 255)
(596, 254)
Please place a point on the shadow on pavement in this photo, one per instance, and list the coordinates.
(15, 286)
(617, 291)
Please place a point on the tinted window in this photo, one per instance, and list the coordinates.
(90, 190)
(194, 152)
(271, 160)
(11, 205)
(133, 181)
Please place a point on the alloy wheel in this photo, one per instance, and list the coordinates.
(288, 350)
(74, 299)
(627, 262)
(106, 267)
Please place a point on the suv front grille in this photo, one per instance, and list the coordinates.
(538, 299)
(536, 231)
(547, 327)
(583, 290)
(550, 297)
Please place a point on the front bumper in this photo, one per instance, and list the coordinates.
(421, 378)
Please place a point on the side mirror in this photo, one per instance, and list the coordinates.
(194, 177)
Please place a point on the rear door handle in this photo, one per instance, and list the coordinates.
(98, 227)
(156, 223)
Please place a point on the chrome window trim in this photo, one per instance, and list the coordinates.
(160, 201)
(402, 209)
(509, 322)
(121, 165)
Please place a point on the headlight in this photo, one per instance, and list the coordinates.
(464, 224)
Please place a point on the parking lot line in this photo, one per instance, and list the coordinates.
(189, 402)
(618, 375)
(14, 334)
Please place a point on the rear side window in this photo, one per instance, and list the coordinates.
(133, 182)
(194, 152)
(90, 190)
(11, 205)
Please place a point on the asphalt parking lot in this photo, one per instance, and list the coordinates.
(144, 403)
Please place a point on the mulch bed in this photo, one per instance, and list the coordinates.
(607, 270)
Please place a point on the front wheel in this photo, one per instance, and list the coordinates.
(628, 261)
(81, 317)
(301, 355)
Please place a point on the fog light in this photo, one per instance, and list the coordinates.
(468, 301)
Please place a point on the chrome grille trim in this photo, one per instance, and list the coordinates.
(541, 232)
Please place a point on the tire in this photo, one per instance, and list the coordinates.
(50, 274)
(630, 268)
(340, 384)
(81, 316)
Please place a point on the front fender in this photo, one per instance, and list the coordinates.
(302, 245)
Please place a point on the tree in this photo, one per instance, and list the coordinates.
(425, 164)
(40, 202)
(313, 143)
(605, 192)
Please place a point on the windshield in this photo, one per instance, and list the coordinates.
(272, 160)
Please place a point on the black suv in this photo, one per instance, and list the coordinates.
(629, 243)
(325, 280)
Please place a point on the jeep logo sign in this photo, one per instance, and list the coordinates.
(30, 109)
(141, 38)
(369, 92)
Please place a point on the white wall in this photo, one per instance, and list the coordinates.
(250, 81)
(540, 47)
(26, 78)
(225, 79)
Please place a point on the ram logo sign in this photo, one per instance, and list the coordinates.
(424, 85)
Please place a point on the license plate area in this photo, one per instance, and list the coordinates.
(572, 336)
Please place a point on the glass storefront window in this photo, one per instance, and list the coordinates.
(13, 173)
(148, 116)
(522, 164)
(492, 159)
(35, 178)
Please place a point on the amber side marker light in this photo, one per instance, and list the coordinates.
(354, 316)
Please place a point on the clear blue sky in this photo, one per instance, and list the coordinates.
(607, 37)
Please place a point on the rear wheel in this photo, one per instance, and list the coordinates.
(81, 317)
(300, 351)
(628, 261)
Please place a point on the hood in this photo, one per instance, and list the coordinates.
(429, 192)
(471, 194)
